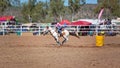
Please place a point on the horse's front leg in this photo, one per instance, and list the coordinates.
(56, 39)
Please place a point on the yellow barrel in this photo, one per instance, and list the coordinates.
(99, 41)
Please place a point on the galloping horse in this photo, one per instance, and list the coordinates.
(65, 34)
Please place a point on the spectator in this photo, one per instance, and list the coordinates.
(109, 22)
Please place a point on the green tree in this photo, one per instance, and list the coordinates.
(28, 9)
(57, 8)
(16, 3)
(4, 4)
(112, 5)
(41, 11)
(74, 6)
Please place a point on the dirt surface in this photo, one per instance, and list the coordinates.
(43, 52)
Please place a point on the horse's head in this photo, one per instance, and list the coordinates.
(46, 30)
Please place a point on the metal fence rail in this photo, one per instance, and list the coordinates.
(92, 29)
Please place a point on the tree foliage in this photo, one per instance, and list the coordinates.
(28, 9)
(39, 11)
(4, 4)
(112, 5)
(15, 3)
(57, 8)
(74, 6)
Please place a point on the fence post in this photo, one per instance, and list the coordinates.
(77, 29)
(21, 29)
(39, 30)
(96, 30)
(3, 30)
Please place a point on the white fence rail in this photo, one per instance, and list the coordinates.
(93, 29)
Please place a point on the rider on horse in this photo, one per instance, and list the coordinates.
(64, 33)
(60, 28)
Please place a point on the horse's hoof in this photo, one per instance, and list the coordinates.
(59, 44)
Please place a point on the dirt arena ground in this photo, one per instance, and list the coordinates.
(43, 52)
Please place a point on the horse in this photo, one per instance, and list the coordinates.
(55, 35)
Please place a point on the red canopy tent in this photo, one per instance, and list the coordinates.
(65, 22)
(82, 23)
(5, 18)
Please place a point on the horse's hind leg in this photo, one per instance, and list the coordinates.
(65, 39)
